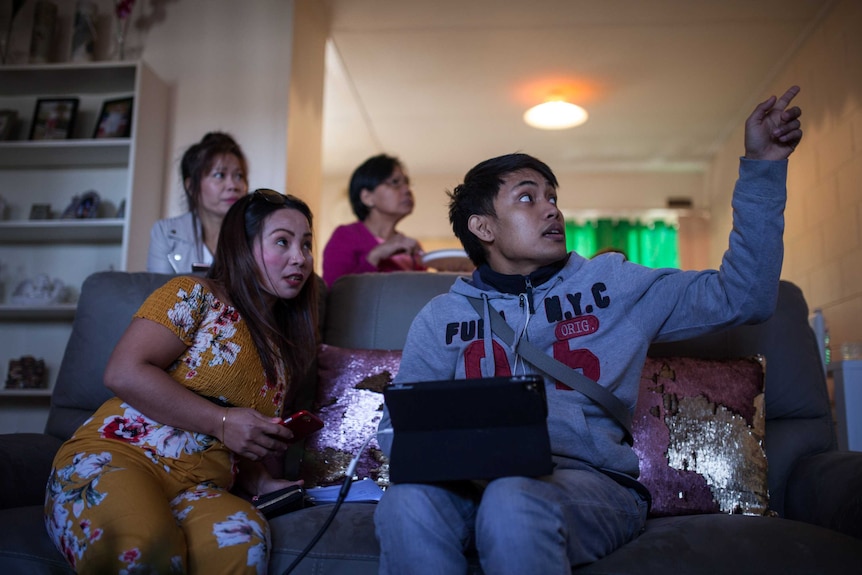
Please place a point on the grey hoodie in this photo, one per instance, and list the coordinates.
(600, 316)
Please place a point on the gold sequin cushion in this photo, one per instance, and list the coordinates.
(350, 402)
(698, 430)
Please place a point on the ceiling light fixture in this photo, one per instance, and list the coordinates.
(555, 115)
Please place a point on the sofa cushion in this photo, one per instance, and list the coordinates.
(698, 430)
(350, 403)
(348, 545)
(25, 547)
(717, 543)
(26, 460)
(826, 489)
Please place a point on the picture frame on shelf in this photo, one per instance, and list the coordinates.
(54, 118)
(8, 124)
(115, 119)
(27, 372)
(40, 212)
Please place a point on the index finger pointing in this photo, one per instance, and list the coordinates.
(784, 100)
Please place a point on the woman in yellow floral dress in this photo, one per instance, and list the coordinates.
(200, 377)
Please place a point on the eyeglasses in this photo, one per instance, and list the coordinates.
(278, 199)
(270, 196)
(397, 182)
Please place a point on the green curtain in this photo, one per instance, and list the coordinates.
(653, 244)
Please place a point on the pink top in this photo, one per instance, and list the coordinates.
(347, 250)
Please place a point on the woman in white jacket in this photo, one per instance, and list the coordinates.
(214, 173)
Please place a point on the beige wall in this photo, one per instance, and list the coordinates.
(256, 72)
(823, 238)
(305, 107)
(229, 69)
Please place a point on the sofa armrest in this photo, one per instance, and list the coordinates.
(826, 490)
(26, 460)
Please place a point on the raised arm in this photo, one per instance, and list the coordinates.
(773, 130)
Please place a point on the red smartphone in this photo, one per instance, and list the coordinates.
(302, 423)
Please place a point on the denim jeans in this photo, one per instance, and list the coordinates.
(517, 525)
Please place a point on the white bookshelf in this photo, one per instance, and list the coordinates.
(126, 172)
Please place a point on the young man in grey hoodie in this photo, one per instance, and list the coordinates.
(597, 316)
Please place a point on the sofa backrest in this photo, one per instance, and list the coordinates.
(374, 311)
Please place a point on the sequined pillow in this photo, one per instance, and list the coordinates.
(349, 399)
(698, 431)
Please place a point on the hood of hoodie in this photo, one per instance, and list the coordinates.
(488, 285)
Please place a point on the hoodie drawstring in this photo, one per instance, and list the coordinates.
(487, 365)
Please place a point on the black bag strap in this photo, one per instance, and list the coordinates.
(558, 370)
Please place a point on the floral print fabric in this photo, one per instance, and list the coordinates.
(103, 488)
(129, 494)
(221, 361)
(160, 443)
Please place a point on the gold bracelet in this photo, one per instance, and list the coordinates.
(223, 419)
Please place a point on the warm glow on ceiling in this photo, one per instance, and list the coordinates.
(555, 115)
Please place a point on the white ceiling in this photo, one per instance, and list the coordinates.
(443, 84)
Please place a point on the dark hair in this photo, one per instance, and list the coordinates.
(289, 332)
(373, 172)
(198, 160)
(476, 196)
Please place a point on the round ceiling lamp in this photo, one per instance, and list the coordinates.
(555, 115)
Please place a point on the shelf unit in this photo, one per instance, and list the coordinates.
(59, 312)
(126, 172)
(81, 231)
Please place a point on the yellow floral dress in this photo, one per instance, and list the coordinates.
(129, 494)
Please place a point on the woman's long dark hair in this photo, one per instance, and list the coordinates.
(290, 331)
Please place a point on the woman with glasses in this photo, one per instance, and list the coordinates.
(203, 376)
(214, 175)
(380, 196)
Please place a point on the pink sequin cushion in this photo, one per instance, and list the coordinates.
(698, 430)
(349, 399)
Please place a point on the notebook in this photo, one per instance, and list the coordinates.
(468, 429)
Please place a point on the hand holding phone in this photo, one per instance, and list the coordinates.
(302, 423)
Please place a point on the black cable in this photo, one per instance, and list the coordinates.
(320, 531)
(342, 495)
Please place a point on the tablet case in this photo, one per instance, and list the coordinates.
(469, 429)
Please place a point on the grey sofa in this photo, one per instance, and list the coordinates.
(815, 489)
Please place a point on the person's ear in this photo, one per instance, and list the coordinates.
(366, 196)
(480, 226)
(186, 184)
